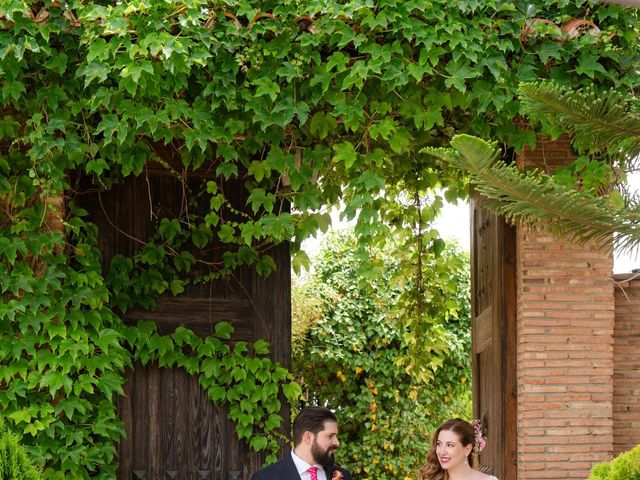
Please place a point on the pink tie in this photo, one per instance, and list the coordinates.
(314, 472)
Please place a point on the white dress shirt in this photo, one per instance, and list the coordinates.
(303, 466)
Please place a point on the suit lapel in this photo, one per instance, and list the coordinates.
(290, 470)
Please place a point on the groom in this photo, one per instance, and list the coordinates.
(315, 438)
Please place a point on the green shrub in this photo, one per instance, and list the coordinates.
(14, 463)
(351, 351)
(625, 466)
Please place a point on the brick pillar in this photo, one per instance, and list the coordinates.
(565, 347)
(626, 360)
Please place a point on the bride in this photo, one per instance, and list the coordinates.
(453, 448)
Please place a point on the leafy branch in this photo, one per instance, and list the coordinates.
(533, 198)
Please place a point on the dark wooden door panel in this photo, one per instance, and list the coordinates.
(173, 429)
(493, 304)
(175, 432)
(198, 314)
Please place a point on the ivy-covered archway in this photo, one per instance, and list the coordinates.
(308, 103)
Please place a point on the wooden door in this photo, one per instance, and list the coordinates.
(493, 310)
(173, 430)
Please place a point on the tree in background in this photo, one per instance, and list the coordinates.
(14, 463)
(352, 352)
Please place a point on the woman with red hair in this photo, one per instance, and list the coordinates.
(453, 450)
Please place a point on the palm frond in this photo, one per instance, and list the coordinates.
(533, 198)
(598, 122)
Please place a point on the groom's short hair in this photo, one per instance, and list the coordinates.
(311, 419)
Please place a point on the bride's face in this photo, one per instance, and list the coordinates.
(450, 451)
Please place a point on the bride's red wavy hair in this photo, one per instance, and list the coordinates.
(432, 469)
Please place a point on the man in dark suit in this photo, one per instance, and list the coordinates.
(315, 438)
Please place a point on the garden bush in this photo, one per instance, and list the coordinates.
(14, 463)
(352, 352)
(625, 466)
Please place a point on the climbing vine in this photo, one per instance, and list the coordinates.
(64, 353)
(304, 105)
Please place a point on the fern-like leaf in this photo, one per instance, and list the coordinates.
(533, 198)
(597, 122)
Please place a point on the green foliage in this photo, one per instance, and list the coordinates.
(351, 354)
(249, 384)
(533, 197)
(625, 466)
(340, 111)
(14, 463)
(598, 124)
(64, 353)
(584, 200)
(604, 129)
(297, 113)
(62, 361)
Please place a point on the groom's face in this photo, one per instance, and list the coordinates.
(324, 444)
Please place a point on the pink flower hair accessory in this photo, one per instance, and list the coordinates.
(479, 442)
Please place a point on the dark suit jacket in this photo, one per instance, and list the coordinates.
(285, 469)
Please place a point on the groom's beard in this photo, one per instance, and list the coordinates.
(323, 457)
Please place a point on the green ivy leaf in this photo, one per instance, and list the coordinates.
(210, 367)
(258, 199)
(201, 235)
(226, 233)
(300, 261)
(227, 170)
(589, 65)
(265, 265)
(13, 90)
(58, 62)
(258, 443)
(169, 228)
(267, 87)
(107, 340)
(459, 72)
(400, 141)
(217, 394)
(94, 71)
(550, 50)
(223, 330)
(21, 416)
(323, 125)
(176, 286)
(345, 153)
(261, 347)
(292, 391)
